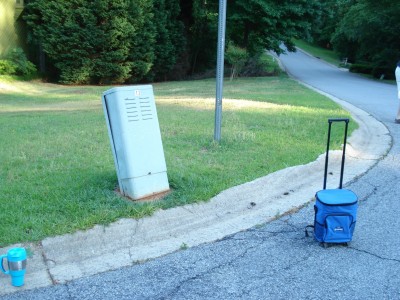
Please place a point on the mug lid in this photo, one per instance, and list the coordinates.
(16, 252)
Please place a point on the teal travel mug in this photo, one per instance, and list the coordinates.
(16, 262)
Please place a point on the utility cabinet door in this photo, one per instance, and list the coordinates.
(134, 131)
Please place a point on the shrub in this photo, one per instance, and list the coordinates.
(107, 41)
(23, 66)
(237, 58)
(383, 72)
(261, 65)
(16, 63)
(376, 71)
(361, 68)
(90, 42)
(7, 67)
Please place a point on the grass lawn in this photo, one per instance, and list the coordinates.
(317, 51)
(56, 168)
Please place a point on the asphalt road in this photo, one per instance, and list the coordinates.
(276, 260)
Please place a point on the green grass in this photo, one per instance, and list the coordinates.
(57, 173)
(317, 51)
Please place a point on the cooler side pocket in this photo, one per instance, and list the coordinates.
(338, 228)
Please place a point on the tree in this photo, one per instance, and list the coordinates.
(143, 43)
(368, 33)
(117, 41)
(264, 25)
(170, 40)
(325, 24)
(253, 25)
(92, 41)
(237, 58)
(200, 19)
(112, 34)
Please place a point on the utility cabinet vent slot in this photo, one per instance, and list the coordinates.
(139, 109)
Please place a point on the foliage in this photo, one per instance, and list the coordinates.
(242, 65)
(237, 58)
(170, 42)
(107, 41)
(7, 67)
(86, 42)
(142, 51)
(325, 24)
(200, 19)
(265, 25)
(261, 65)
(363, 68)
(16, 63)
(253, 25)
(362, 31)
(24, 66)
(370, 69)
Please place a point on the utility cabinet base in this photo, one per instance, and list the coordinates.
(147, 186)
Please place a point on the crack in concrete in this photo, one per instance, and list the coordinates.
(131, 240)
(361, 158)
(370, 194)
(375, 255)
(259, 237)
(295, 263)
(46, 261)
(189, 210)
(173, 292)
(288, 223)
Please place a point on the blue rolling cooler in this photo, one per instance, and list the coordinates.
(335, 209)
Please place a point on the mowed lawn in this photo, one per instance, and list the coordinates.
(57, 173)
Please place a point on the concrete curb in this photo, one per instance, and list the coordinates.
(126, 242)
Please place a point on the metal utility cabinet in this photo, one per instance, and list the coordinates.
(135, 138)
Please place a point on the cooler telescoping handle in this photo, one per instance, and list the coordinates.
(330, 121)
